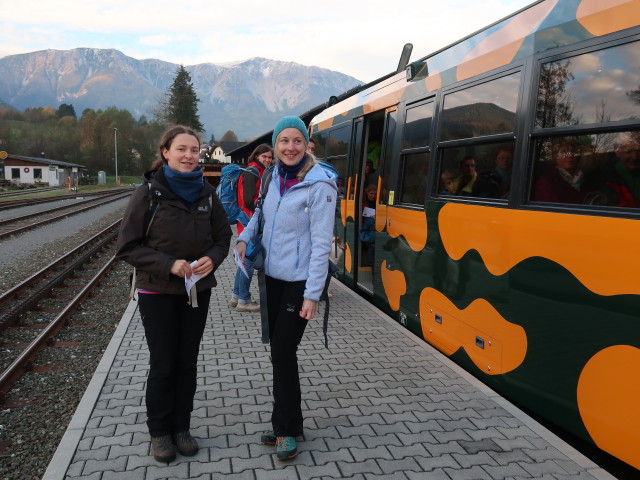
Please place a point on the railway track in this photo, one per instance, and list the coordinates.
(29, 191)
(35, 311)
(25, 202)
(15, 225)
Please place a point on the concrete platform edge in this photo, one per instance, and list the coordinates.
(63, 456)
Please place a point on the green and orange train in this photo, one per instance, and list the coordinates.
(507, 176)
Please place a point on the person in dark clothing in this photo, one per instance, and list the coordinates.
(173, 229)
(248, 189)
(624, 175)
(564, 181)
(496, 182)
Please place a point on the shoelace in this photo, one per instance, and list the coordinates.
(285, 443)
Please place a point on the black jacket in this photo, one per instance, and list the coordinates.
(177, 232)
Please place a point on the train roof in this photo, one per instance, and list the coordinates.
(542, 26)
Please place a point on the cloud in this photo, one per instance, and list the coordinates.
(360, 38)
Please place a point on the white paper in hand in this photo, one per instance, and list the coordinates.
(236, 257)
(190, 282)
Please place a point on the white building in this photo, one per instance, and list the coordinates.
(32, 170)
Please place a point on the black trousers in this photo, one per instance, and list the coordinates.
(286, 327)
(173, 330)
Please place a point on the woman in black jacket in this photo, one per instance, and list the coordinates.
(174, 229)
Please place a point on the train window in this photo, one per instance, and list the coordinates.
(595, 87)
(597, 169)
(388, 156)
(485, 109)
(482, 171)
(417, 128)
(338, 142)
(340, 164)
(415, 167)
(320, 139)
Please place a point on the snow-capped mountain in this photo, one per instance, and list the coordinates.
(247, 97)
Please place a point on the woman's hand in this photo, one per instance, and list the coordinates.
(204, 267)
(309, 308)
(181, 268)
(241, 248)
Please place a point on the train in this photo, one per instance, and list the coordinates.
(506, 173)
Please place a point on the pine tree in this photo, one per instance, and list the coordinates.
(182, 103)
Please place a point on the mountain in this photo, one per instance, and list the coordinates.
(247, 97)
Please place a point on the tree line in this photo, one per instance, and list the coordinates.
(91, 139)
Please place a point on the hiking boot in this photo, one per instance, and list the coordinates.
(248, 307)
(187, 445)
(286, 448)
(233, 302)
(163, 449)
(268, 438)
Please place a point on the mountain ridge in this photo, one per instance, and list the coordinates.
(246, 96)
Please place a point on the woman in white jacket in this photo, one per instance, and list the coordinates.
(298, 214)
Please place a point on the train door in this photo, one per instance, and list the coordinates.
(369, 218)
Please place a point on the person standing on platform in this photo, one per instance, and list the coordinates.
(297, 216)
(248, 189)
(173, 229)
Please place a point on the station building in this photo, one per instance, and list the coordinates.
(35, 170)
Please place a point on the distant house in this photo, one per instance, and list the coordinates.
(32, 170)
(228, 147)
(217, 152)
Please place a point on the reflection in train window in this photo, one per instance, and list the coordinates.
(338, 142)
(415, 167)
(598, 169)
(595, 87)
(485, 109)
(417, 128)
(482, 171)
(388, 155)
(340, 164)
(320, 139)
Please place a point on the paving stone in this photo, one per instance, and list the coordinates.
(474, 473)
(116, 465)
(404, 465)
(505, 471)
(367, 467)
(137, 474)
(281, 472)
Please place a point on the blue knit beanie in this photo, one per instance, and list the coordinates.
(289, 122)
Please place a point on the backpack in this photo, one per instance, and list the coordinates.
(227, 191)
(332, 269)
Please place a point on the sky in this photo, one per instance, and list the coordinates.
(363, 39)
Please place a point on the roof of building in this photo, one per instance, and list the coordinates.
(229, 146)
(45, 161)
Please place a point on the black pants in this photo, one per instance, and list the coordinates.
(286, 327)
(173, 330)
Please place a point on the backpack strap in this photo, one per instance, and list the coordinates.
(151, 214)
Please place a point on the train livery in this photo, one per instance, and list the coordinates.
(506, 172)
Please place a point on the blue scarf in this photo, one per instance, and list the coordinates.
(288, 174)
(187, 185)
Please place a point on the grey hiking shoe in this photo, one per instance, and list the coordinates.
(233, 302)
(163, 449)
(248, 307)
(187, 445)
